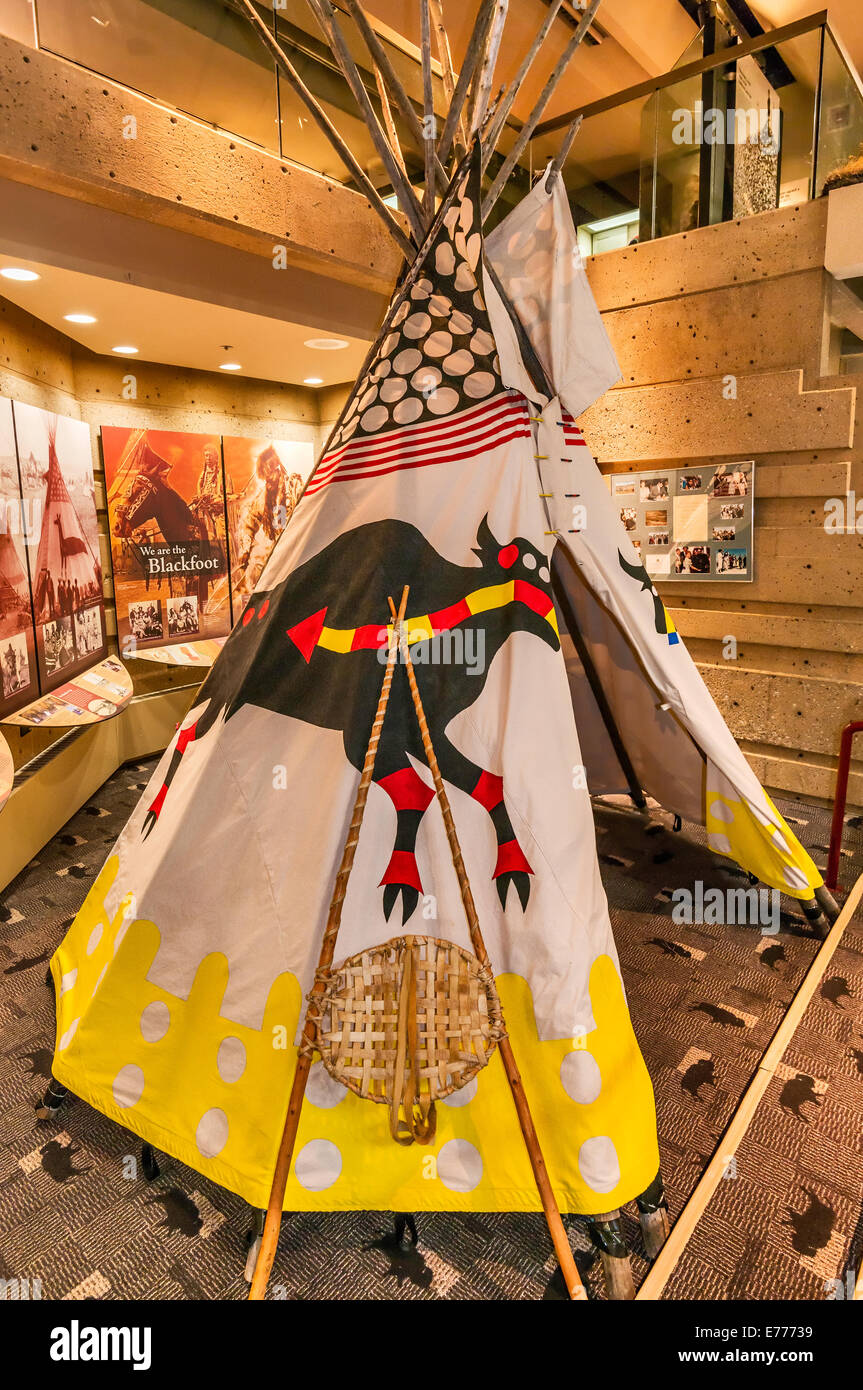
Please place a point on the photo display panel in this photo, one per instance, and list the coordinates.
(690, 523)
(18, 672)
(55, 467)
(166, 504)
(263, 482)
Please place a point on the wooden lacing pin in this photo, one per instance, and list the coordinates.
(546, 494)
(537, 419)
(572, 494)
(539, 457)
(551, 533)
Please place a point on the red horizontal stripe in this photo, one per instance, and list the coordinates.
(341, 477)
(387, 450)
(439, 451)
(467, 416)
(423, 435)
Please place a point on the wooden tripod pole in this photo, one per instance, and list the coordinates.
(273, 1222)
(559, 1238)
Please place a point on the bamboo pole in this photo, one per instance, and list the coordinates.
(475, 46)
(270, 1239)
(322, 119)
(326, 17)
(557, 1231)
(684, 1226)
(532, 121)
(428, 109)
(482, 87)
(524, 68)
(381, 58)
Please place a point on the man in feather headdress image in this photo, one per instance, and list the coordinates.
(272, 495)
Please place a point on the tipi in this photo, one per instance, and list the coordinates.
(14, 596)
(454, 469)
(64, 552)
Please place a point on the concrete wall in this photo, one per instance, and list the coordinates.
(750, 300)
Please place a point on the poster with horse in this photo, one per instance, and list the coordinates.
(55, 461)
(18, 681)
(166, 503)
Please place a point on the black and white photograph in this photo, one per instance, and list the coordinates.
(183, 616)
(145, 620)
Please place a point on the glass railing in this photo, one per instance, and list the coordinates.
(759, 124)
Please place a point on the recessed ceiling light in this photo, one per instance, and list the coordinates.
(16, 272)
(124, 348)
(313, 381)
(231, 367)
(327, 344)
(80, 318)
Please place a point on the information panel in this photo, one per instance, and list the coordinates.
(690, 523)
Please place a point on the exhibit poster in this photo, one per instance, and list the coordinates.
(166, 504)
(690, 523)
(56, 474)
(263, 481)
(18, 679)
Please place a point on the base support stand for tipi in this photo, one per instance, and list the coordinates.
(254, 1238)
(52, 1100)
(653, 1217)
(405, 1231)
(607, 1236)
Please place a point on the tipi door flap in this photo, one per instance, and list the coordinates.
(667, 762)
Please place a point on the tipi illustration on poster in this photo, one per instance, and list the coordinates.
(56, 466)
(17, 649)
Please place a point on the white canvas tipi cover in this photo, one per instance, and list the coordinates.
(180, 984)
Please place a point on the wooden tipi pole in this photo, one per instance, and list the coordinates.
(506, 104)
(428, 109)
(359, 174)
(326, 17)
(273, 1222)
(445, 60)
(557, 1231)
(380, 58)
(532, 121)
(475, 48)
(482, 87)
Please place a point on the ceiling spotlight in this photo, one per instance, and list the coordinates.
(313, 381)
(230, 366)
(327, 344)
(16, 272)
(80, 318)
(125, 348)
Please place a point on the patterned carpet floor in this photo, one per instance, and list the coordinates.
(76, 1213)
